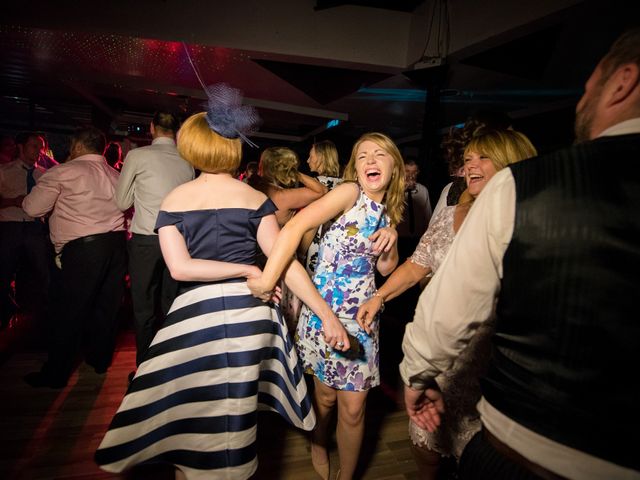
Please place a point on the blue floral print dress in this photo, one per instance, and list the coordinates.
(344, 276)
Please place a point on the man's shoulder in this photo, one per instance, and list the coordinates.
(631, 140)
(152, 150)
(80, 164)
(138, 151)
(598, 147)
(61, 167)
(41, 170)
(55, 173)
(10, 165)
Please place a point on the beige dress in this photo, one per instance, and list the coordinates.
(459, 385)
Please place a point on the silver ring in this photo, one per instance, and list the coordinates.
(340, 344)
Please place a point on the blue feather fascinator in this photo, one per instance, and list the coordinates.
(227, 116)
(225, 113)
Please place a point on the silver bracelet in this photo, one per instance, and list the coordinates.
(378, 294)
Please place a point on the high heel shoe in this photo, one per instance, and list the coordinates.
(322, 469)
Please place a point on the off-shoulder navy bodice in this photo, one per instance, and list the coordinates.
(226, 234)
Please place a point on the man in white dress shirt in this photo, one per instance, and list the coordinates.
(148, 175)
(555, 240)
(23, 239)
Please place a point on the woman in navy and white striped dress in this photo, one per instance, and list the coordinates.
(221, 354)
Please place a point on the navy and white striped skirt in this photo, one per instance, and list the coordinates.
(221, 356)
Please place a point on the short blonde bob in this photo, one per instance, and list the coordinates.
(205, 149)
(394, 197)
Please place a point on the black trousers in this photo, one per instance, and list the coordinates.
(481, 461)
(92, 284)
(24, 247)
(152, 289)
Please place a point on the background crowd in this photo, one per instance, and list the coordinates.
(518, 362)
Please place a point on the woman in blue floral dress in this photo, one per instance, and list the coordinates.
(343, 357)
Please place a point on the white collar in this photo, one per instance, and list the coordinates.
(623, 128)
(163, 140)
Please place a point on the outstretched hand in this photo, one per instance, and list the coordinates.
(367, 313)
(383, 240)
(424, 407)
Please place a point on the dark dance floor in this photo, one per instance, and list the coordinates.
(52, 434)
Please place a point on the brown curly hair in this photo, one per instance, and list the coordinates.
(454, 143)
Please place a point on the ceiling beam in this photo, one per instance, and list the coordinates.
(277, 136)
(87, 95)
(288, 107)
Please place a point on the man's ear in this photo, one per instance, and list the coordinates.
(75, 150)
(623, 83)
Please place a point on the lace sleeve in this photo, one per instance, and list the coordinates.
(436, 241)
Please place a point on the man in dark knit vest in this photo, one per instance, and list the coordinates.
(553, 244)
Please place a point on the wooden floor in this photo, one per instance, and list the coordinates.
(52, 434)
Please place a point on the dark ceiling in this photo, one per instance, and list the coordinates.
(399, 5)
(54, 79)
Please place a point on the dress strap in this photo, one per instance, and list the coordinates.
(267, 208)
(168, 218)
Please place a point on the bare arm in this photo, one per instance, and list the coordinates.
(305, 243)
(300, 284)
(312, 184)
(295, 198)
(388, 261)
(336, 201)
(405, 277)
(386, 245)
(184, 268)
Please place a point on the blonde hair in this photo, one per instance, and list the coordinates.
(503, 147)
(328, 156)
(279, 166)
(205, 149)
(394, 196)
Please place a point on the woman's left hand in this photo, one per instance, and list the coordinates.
(258, 290)
(367, 313)
(383, 240)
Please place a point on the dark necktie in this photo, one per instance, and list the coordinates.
(412, 220)
(31, 182)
